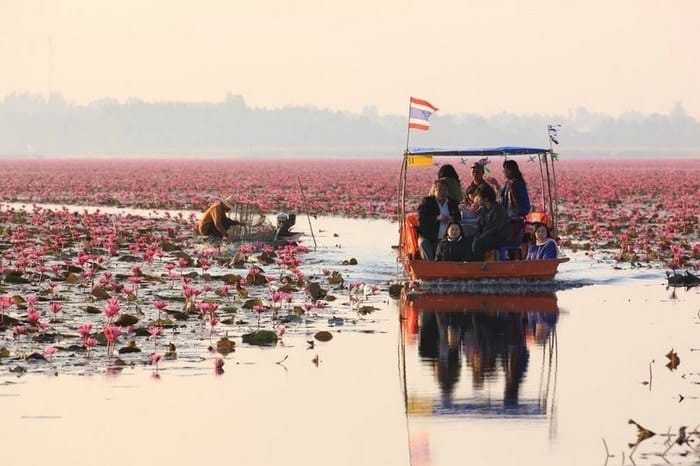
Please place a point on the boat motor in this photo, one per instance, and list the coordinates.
(285, 221)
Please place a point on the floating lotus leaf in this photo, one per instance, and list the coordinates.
(266, 258)
(230, 278)
(92, 310)
(291, 318)
(129, 258)
(257, 279)
(323, 336)
(225, 346)
(260, 338)
(167, 246)
(351, 261)
(238, 261)
(298, 311)
(249, 304)
(18, 300)
(314, 290)
(288, 288)
(130, 348)
(336, 278)
(45, 338)
(124, 320)
(336, 321)
(100, 292)
(184, 255)
(36, 357)
(177, 315)
(364, 310)
(6, 320)
(4, 352)
(15, 277)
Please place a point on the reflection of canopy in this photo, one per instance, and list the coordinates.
(478, 408)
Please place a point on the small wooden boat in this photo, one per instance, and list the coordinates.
(496, 266)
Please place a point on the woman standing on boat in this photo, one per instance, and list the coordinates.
(514, 196)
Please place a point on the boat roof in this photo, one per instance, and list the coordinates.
(477, 152)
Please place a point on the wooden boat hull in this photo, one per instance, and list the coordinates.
(445, 270)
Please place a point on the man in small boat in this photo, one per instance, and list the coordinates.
(494, 229)
(434, 213)
(454, 246)
(214, 222)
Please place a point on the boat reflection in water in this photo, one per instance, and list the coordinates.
(471, 356)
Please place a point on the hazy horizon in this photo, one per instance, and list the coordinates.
(504, 56)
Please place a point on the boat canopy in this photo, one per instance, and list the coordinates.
(479, 152)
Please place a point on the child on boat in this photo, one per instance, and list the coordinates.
(454, 246)
(542, 247)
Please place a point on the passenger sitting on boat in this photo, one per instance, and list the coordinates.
(542, 247)
(454, 246)
(454, 186)
(495, 228)
(514, 197)
(214, 222)
(434, 213)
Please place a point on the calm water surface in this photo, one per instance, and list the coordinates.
(538, 378)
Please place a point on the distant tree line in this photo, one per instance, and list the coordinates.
(31, 125)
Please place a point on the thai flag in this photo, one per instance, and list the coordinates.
(419, 113)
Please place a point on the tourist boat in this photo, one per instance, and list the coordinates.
(496, 266)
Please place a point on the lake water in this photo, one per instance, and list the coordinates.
(547, 376)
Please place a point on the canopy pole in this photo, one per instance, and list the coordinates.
(544, 198)
(555, 230)
(555, 214)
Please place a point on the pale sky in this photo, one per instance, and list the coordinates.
(464, 56)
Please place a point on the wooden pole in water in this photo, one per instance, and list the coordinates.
(303, 196)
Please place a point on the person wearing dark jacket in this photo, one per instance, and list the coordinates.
(454, 247)
(495, 228)
(434, 213)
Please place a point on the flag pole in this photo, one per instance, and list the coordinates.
(408, 124)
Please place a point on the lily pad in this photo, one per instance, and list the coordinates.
(260, 338)
(225, 346)
(124, 320)
(323, 336)
(251, 303)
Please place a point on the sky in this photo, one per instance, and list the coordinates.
(464, 56)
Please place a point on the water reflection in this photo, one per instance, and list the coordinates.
(476, 356)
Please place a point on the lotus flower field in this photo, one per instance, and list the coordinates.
(118, 288)
(645, 211)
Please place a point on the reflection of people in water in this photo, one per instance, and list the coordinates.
(439, 339)
(490, 342)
